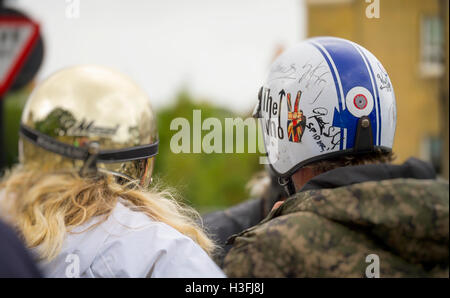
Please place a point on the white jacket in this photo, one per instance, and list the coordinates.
(130, 244)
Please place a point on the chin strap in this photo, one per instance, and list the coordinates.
(90, 163)
(288, 185)
(91, 155)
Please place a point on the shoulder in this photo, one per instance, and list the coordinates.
(283, 238)
(138, 246)
(302, 243)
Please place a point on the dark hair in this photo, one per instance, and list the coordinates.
(378, 156)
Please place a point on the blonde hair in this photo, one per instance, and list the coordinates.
(44, 206)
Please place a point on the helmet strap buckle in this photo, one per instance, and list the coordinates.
(288, 185)
(89, 167)
(364, 136)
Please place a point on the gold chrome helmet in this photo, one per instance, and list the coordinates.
(90, 117)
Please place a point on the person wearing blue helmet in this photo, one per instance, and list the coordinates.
(328, 116)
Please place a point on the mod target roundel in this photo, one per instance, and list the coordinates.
(359, 101)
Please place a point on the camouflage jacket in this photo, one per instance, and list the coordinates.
(329, 228)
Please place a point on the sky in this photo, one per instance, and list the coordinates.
(218, 50)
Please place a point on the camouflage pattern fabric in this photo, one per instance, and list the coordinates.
(329, 233)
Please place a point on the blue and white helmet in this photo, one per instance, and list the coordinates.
(323, 98)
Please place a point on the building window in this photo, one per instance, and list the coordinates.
(432, 46)
(431, 151)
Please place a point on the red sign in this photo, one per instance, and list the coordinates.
(17, 38)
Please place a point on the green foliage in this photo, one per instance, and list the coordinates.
(12, 110)
(58, 120)
(207, 181)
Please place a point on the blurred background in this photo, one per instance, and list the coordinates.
(213, 55)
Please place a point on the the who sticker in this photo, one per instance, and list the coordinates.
(296, 122)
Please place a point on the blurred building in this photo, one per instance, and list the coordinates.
(410, 38)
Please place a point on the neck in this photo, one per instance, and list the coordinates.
(301, 177)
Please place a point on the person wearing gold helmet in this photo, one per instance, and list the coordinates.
(80, 196)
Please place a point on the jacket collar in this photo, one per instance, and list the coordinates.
(412, 168)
